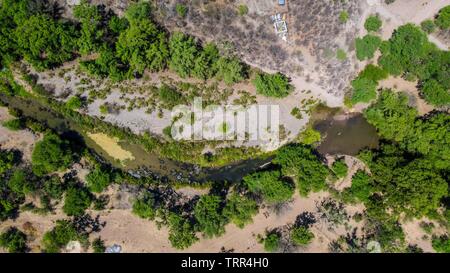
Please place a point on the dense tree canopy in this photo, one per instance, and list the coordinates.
(367, 46)
(76, 201)
(302, 164)
(14, 240)
(240, 210)
(208, 213)
(270, 186)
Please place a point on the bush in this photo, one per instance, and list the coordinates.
(362, 187)
(50, 155)
(59, 236)
(373, 23)
(53, 187)
(340, 168)
(181, 9)
(230, 70)
(272, 242)
(301, 236)
(14, 124)
(242, 10)
(310, 136)
(343, 16)
(98, 245)
(181, 232)
(443, 18)
(74, 103)
(441, 244)
(240, 210)
(366, 47)
(341, 55)
(428, 26)
(77, 200)
(98, 179)
(6, 160)
(20, 183)
(364, 90)
(169, 96)
(14, 240)
(145, 207)
(272, 85)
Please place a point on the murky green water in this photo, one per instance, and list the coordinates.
(345, 134)
(145, 163)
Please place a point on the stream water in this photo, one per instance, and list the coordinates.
(145, 163)
(342, 134)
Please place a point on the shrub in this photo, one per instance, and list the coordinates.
(340, 168)
(59, 236)
(310, 136)
(435, 93)
(341, 55)
(98, 179)
(181, 9)
(242, 10)
(428, 26)
(145, 207)
(364, 90)
(343, 16)
(98, 245)
(443, 18)
(14, 240)
(77, 200)
(441, 244)
(301, 236)
(14, 124)
(272, 242)
(373, 23)
(74, 103)
(51, 154)
(240, 210)
(366, 47)
(272, 85)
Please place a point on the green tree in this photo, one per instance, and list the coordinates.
(310, 136)
(205, 63)
(367, 46)
(373, 23)
(270, 186)
(272, 85)
(143, 46)
(21, 184)
(63, 232)
(435, 93)
(183, 53)
(240, 210)
(343, 16)
(230, 70)
(362, 186)
(443, 18)
(364, 90)
(272, 242)
(91, 31)
(391, 115)
(76, 201)
(145, 206)
(428, 26)
(301, 236)
(340, 168)
(51, 154)
(98, 179)
(98, 245)
(6, 160)
(44, 42)
(181, 232)
(208, 213)
(441, 244)
(14, 240)
(53, 187)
